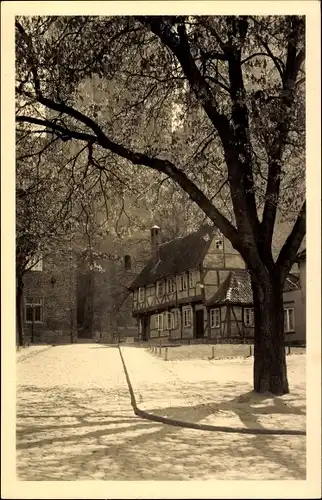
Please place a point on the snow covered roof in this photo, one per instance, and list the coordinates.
(237, 289)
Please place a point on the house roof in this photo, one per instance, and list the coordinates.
(176, 256)
(301, 255)
(237, 289)
(292, 283)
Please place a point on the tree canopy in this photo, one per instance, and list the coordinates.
(212, 104)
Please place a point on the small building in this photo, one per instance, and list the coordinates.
(230, 310)
(197, 287)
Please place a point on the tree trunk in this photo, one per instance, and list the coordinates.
(270, 373)
(19, 292)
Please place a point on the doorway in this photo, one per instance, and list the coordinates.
(199, 330)
(145, 328)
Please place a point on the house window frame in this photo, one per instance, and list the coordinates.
(168, 320)
(187, 317)
(192, 279)
(140, 298)
(251, 323)
(31, 303)
(176, 315)
(160, 286)
(215, 317)
(183, 282)
(159, 322)
(287, 318)
(170, 285)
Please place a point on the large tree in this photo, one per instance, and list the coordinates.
(237, 86)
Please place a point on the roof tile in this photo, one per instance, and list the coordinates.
(237, 289)
(176, 256)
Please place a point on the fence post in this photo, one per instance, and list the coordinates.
(250, 350)
(160, 349)
(166, 354)
(213, 352)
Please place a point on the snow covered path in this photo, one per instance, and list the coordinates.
(75, 421)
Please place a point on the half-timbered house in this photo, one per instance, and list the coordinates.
(230, 310)
(197, 287)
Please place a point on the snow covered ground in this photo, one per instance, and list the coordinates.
(24, 352)
(75, 420)
(217, 392)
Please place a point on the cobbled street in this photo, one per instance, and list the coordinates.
(75, 421)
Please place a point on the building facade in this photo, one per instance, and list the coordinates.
(65, 301)
(197, 287)
(49, 299)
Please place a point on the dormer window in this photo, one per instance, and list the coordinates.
(218, 244)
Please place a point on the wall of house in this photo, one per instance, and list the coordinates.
(165, 332)
(211, 282)
(180, 331)
(232, 320)
(224, 257)
(236, 322)
(302, 268)
(295, 299)
(187, 331)
(151, 298)
(59, 324)
(213, 278)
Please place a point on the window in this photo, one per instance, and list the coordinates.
(183, 282)
(160, 322)
(192, 281)
(36, 262)
(34, 310)
(141, 294)
(168, 321)
(214, 318)
(160, 288)
(127, 262)
(150, 291)
(175, 315)
(289, 323)
(249, 316)
(187, 317)
(218, 244)
(170, 285)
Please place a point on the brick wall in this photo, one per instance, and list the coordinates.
(55, 285)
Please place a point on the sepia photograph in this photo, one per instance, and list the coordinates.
(160, 303)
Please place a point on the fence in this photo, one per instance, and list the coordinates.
(220, 350)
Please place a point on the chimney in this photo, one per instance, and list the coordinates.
(155, 240)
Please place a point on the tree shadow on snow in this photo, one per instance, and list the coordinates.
(121, 446)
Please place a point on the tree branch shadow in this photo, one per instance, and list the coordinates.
(144, 450)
